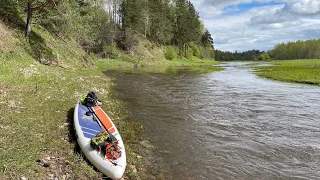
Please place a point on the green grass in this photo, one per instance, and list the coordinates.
(159, 64)
(36, 120)
(300, 71)
(36, 107)
(104, 64)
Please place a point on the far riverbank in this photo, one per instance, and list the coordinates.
(195, 64)
(299, 71)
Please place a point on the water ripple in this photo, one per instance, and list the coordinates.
(227, 125)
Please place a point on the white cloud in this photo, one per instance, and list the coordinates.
(272, 26)
(306, 7)
(270, 16)
(260, 27)
(224, 3)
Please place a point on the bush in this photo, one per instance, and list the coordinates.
(195, 49)
(264, 56)
(189, 54)
(110, 51)
(170, 53)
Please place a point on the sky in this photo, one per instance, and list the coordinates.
(240, 25)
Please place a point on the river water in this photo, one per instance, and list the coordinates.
(225, 125)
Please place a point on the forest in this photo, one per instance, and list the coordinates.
(309, 49)
(104, 26)
(246, 55)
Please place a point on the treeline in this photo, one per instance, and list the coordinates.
(309, 49)
(103, 26)
(246, 55)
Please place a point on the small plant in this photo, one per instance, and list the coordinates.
(170, 53)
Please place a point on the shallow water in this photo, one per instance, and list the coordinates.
(225, 125)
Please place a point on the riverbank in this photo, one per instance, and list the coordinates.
(36, 105)
(36, 130)
(195, 64)
(300, 71)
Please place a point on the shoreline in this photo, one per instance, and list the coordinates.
(118, 64)
(36, 105)
(37, 101)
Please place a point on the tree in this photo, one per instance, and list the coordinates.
(206, 39)
(161, 26)
(246, 55)
(35, 5)
(98, 24)
(132, 15)
(188, 25)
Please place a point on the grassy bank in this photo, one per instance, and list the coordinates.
(300, 71)
(37, 99)
(42, 77)
(36, 120)
(199, 65)
(36, 104)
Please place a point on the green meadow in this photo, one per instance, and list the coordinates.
(300, 71)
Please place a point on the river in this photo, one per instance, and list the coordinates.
(225, 125)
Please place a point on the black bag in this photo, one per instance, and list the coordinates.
(91, 99)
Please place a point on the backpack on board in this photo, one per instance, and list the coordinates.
(90, 99)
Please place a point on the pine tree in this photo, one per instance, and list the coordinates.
(188, 25)
(206, 39)
(132, 14)
(161, 27)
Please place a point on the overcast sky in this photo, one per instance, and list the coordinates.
(259, 24)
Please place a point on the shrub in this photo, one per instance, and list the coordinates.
(264, 56)
(110, 51)
(253, 57)
(195, 49)
(170, 53)
(189, 54)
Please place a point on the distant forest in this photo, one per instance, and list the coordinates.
(297, 50)
(231, 56)
(309, 49)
